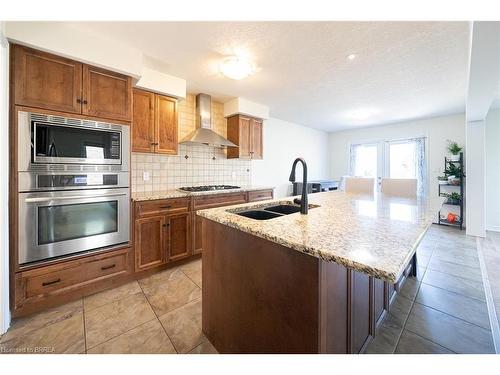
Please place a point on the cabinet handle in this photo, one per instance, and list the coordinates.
(84, 102)
(168, 206)
(51, 282)
(104, 268)
(78, 100)
(166, 225)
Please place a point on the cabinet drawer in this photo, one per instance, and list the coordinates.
(70, 275)
(175, 205)
(212, 201)
(260, 195)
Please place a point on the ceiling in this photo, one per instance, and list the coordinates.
(403, 70)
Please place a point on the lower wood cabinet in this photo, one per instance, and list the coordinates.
(150, 243)
(179, 236)
(77, 277)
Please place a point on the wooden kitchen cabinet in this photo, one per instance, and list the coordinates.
(150, 242)
(179, 236)
(162, 232)
(246, 132)
(48, 81)
(106, 94)
(154, 124)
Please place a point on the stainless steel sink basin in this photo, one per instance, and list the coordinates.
(285, 209)
(271, 212)
(259, 214)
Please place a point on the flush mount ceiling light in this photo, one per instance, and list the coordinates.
(351, 56)
(237, 67)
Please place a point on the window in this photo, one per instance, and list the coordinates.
(391, 159)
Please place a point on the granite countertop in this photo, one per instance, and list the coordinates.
(165, 194)
(376, 234)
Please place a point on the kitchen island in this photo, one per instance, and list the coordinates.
(316, 283)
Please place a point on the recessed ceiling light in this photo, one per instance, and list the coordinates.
(237, 67)
(352, 56)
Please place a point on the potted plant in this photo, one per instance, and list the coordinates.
(454, 149)
(442, 180)
(453, 198)
(454, 173)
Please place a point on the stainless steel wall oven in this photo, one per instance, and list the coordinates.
(73, 186)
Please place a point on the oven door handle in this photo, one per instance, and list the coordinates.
(48, 199)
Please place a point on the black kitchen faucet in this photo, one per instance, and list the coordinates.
(303, 200)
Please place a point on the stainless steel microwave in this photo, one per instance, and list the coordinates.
(56, 143)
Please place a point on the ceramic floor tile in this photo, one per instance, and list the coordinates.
(204, 348)
(400, 308)
(466, 287)
(386, 337)
(148, 338)
(410, 343)
(456, 257)
(111, 295)
(193, 271)
(23, 326)
(469, 309)
(63, 336)
(423, 261)
(410, 288)
(183, 326)
(169, 290)
(452, 333)
(450, 268)
(113, 319)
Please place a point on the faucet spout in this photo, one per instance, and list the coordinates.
(304, 205)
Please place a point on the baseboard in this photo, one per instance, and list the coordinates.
(493, 228)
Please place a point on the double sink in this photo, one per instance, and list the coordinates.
(271, 212)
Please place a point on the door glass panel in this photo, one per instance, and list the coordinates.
(69, 142)
(71, 221)
(365, 161)
(402, 163)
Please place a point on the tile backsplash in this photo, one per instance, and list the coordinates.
(204, 165)
(199, 168)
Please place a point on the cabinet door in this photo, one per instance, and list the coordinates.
(179, 236)
(197, 234)
(106, 94)
(46, 81)
(245, 141)
(150, 242)
(256, 139)
(360, 310)
(143, 121)
(165, 125)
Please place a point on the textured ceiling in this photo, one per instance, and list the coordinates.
(404, 70)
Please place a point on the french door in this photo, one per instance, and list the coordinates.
(389, 159)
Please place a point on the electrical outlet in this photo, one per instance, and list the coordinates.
(145, 176)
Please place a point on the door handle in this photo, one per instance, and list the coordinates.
(48, 199)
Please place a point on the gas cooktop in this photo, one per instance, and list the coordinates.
(208, 187)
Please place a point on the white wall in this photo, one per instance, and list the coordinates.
(4, 183)
(493, 170)
(436, 129)
(283, 142)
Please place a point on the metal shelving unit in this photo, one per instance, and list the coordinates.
(460, 162)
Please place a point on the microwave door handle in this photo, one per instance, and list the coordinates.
(47, 199)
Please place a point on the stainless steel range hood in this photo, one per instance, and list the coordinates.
(203, 134)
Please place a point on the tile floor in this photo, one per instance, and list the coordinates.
(443, 310)
(158, 314)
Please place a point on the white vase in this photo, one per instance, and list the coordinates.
(455, 157)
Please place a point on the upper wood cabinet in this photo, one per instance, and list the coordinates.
(154, 124)
(246, 132)
(143, 124)
(47, 81)
(106, 94)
